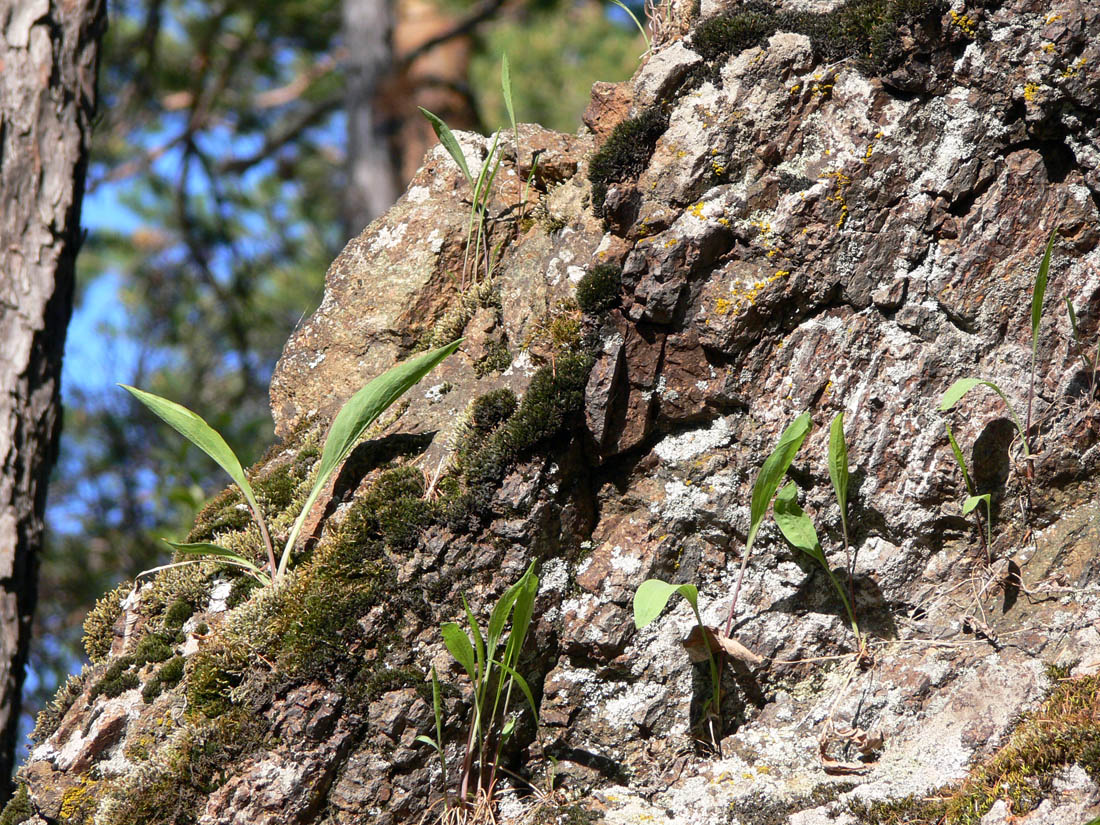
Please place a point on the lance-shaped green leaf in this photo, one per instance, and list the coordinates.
(450, 143)
(523, 686)
(838, 467)
(360, 411)
(506, 89)
(207, 549)
(775, 467)
(198, 432)
(795, 525)
(959, 459)
(652, 596)
(961, 387)
(1040, 291)
(458, 643)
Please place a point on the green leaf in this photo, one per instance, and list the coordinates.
(198, 432)
(206, 549)
(521, 615)
(360, 411)
(1040, 291)
(506, 89)
(959, 459)
(479, 642)
(838, 465)
(458, 643)
(775, 467)
(653, 594)
(450, 143)
(1072, 320)
(427, 740)
(973, 501)
(795, 525)
(523, 686)
(964, 385)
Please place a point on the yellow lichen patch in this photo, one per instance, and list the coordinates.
(839, 196)
(871, 147)
(1048, 48)
(1076, 67)
(965, 22)
(696, 210)
(1053, 18)
(79, 801)
(821, 86)
(744, 295)
(1030, 91)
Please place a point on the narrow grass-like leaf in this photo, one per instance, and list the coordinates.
(360, 411)
(959, 459)
(479, 641)
(652, 596)
(1073, 321)
(450, 143)
(458, 643)
(838, 467)
(198, 432)
(427, 740)
(1040, 291)
(506, 90)
(207, 549)
(523, 686)
(775, 467)
(499, 617)
(795, 525)
(641, 28)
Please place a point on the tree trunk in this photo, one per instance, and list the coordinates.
(372, 172)
(48, 63)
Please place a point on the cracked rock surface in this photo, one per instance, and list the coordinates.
(808, 234)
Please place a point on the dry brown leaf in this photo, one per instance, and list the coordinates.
(698, 649)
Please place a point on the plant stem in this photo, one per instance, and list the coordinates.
(272, 565)
(737, 589)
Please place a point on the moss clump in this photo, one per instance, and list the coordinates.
(100, 623)
(49, 718)
(1064, 731)
(626, 152)
(489, 411)
(119, 677)
(599, 289)
(152, 648)
(553, 398)
(866, 30)
(213, 673)
(496, 359)
(171, 671)
(224, 513)
(172, 791)
(153, 688)
(18, 808)
(177, 613)
(395, 508)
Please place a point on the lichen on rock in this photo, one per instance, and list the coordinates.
(803, 205)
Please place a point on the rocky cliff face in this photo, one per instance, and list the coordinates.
(792, 207)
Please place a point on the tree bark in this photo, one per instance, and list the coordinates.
(367, 29)
(49, 56)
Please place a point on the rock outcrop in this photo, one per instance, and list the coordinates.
(798, 206)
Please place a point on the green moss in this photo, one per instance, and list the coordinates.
(496, 359)
(177, 613)
(152, 648)
(866, 30)
(489, 411)
(49, 718)
(173, 791)
(118, 678)
(385, 679)
(214, 671)
(152, 690)
(171, 671)
(598, 290)
(626, 152)
(225, 512)
(394, 507)
(100, 623)
(1064, 731)
(18, 808)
